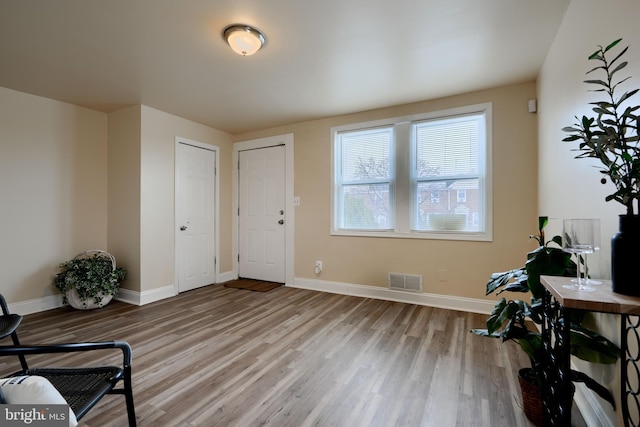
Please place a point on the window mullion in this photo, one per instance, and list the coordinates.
(403, 177)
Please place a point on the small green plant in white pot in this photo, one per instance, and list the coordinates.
(90, 280)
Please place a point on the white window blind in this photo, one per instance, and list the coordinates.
(448, 161)
(447, 147)
(364, 179)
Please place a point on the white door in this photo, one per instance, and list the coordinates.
(195, 219)
(261, 205)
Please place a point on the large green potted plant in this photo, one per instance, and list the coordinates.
(519, 320)
(90, 280)
(611, 136)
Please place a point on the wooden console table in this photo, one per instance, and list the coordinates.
(557, 304)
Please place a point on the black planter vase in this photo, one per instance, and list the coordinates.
(625, 251)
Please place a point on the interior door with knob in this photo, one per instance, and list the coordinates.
(195, 216)
(261, 212)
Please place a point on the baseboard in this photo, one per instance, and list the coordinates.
(226, 276)
(146, 297)
(153, 295)
(594, 411)
(141, 298)
(36, 305)
(125, 295)
(450, 302)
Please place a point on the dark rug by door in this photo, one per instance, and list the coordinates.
(252, 285)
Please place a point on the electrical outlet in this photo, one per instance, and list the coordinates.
(318, 268)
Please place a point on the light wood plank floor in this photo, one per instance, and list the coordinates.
(290, 357)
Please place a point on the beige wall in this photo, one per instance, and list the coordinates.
(157, 175)
(124, 192)
(73, 179)
(53, 189)
(465, 265)
(569, 187)
(141, 192)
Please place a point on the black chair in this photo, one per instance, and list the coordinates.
(82, 388)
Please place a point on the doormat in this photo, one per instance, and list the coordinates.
(252, 285)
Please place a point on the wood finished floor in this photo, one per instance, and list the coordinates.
(218, 356)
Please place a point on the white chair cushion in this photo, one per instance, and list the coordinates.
(35, 390)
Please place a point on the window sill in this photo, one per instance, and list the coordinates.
(424, 235)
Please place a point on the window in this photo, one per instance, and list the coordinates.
(365, 191)
(424, 176)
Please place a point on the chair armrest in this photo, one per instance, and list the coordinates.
(3, 305)
(16, 350)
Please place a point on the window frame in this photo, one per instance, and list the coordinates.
(339, 195)
(403, 183)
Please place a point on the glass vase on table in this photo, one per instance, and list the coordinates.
(578, 237)
(596, 247)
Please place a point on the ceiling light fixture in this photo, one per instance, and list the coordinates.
(243, 39)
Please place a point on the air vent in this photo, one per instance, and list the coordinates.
(405, 282)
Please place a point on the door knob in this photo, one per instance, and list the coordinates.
(281, 222)
(184, 227)
(281, 212)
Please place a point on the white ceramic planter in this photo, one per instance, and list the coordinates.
(76, 302)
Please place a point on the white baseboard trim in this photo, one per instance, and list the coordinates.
(36, 305)
(226, 276)
(450, 302)
(129, 296)
(594, 410)
(146, 297)
(125, 295)
(141, 298)
(153, 295)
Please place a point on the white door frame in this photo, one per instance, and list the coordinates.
(216, 207)
(289, 223)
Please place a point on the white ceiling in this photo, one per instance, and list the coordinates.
(322, 57)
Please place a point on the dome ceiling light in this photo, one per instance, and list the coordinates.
(243, 39)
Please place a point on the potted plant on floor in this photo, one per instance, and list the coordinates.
(612, 137)
(90, 280)
(516, 320)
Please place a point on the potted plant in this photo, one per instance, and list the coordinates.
(516, 320)
(611, 136)
(90, 280)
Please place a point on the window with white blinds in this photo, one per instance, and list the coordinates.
(366, 180)
(421, 176)
(448, 162)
